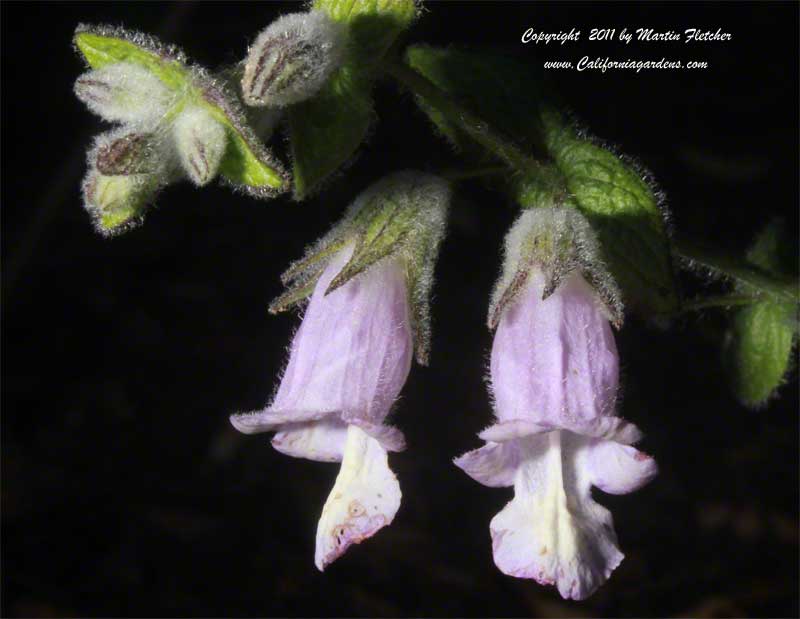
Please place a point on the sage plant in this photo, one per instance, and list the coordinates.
(592, 232)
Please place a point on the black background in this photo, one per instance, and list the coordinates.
(126, 492)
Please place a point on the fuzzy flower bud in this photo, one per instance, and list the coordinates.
(352, 353)
(292, 58)
(125, 92)
(200, 141)
(554, 381)
(117, 202)
(174, 117)
(123, 153)
(125, 173)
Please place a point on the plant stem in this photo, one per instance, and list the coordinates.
(460, 174)
(474, 126)
(784, 289)
(729, 300)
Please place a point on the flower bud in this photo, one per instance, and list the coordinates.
(117, 202)
(200, 141)
(130, 153)
(292, 58)
(125, 92)
(404, 216)
(556, 242)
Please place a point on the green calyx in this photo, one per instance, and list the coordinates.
(402, 216)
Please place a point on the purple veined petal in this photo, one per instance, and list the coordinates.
(322, 441)
(554, 361)
(353, 350)
(619, 469)
(364, 498)
(552, 531)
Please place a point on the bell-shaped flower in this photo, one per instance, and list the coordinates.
(554, 380)
(352, 354)
(348, 362)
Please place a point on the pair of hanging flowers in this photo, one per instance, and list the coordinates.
(554, 381)
(366, 288)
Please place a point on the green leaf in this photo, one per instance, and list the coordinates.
(759, 349)
(498, 89)
(245, 162)
(758, 346)
(623, 210)
(326, 130)
(373, 24)
(772, 251)
(621, 207)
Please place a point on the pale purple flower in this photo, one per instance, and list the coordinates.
(348, 362)
(554, 380)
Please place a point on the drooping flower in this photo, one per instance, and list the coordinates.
(554, 381)
(352, 353)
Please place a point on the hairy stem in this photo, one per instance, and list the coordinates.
(728, 300)
(461, 174)
(783, 289)
(475, 127)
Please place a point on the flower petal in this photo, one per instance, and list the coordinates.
(353, 351)
(552, 531)
(493, 465)
(511, 429)
(268, 420)
(619, 469)
(322, 440)
(389, 437)
(554, 361)
(364, 499)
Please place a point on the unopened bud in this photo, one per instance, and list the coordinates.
(555, 242)
(116, 203)
(200, 141)
(292, 58)
(123, 155)
(125, 92)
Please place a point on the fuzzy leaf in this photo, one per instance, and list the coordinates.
(759, 350)
(496, 88)
(373, 24)
(326, 130)
(623, 209)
